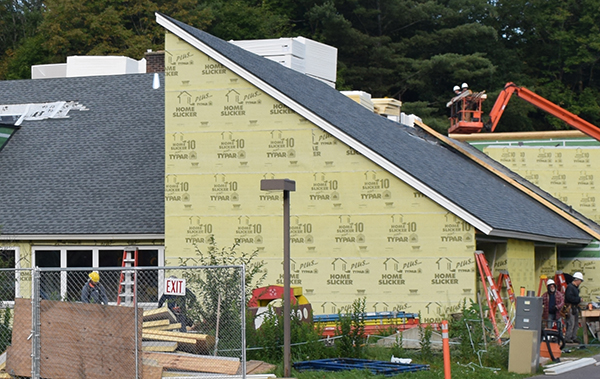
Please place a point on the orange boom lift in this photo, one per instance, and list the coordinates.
(466, 111)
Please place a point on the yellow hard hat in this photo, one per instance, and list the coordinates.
(94, 276)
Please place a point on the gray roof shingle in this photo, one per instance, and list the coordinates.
(99, 171)
(468, 185)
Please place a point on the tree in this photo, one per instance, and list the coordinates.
(218, 289)
(19, 20)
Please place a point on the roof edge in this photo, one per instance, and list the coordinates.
(589, 229)
(435, 196)
(71, 237)
(538, 238)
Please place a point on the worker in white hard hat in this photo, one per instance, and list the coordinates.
(456, 90)
(552, 301)
(464, 87)
(93, 291)
(573, 299)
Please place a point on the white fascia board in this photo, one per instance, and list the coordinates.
(70, 237)
(326, 126)
(537, 238)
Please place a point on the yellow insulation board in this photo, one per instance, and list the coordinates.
(356, 231)
(571, 174)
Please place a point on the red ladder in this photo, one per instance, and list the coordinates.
(504, 278)
(492, 293)
(559, 278)
(127, 282)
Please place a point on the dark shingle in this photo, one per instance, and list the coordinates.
(98, 172)
(466, 184)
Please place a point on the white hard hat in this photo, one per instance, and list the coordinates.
(578, 275)
(550, 281)
(464, 85)
(456, 88)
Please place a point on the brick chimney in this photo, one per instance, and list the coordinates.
(155, 61)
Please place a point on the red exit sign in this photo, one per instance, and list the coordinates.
(174, 286)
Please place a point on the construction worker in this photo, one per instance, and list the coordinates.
(552, 301)
(177, 305)
(573, 299)
(456, 90)
(93, 291)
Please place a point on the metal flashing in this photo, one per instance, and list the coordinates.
(38, 111)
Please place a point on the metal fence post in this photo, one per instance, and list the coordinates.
(135, 328)
(35, 324)
(243, 317)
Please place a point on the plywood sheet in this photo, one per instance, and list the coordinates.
(77, 340)
(199, 363)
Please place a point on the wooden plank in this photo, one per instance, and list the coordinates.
(196, 336)
(77, 340)
(159, 337)
(153, 324)
(202, 343)
(164, 327)
(159, 314)
(151, 371)
(198, 363)
(164, 346)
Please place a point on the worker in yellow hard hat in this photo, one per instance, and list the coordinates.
(93, 291)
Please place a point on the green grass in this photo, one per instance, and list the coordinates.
(470, 370)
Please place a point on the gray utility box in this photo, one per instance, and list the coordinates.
(529, 313)
(525, 338)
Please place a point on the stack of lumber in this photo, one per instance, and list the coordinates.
(164, 345)
(160, 333)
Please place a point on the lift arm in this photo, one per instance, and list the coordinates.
(545, 105)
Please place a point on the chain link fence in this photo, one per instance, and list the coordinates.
(135, 322)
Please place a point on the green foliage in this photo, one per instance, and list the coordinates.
(5, 329)
(415, 51)
(266, 342)
(351, 330)
(218, 302)
(425, 332)
(470, 331)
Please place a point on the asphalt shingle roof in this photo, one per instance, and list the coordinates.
(99, 171)
(460, 180)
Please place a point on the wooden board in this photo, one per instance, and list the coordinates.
(151, 372)
(159, 337)
(77, 340)
(165, 327)
(196, 336)
(153, 324)
(190, 342)
(159, 314)
(164, 346)
(198, 363)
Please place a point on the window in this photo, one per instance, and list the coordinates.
(57, 285)
(8, 275)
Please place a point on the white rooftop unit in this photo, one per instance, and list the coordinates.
(301, 54)
(87, 65)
